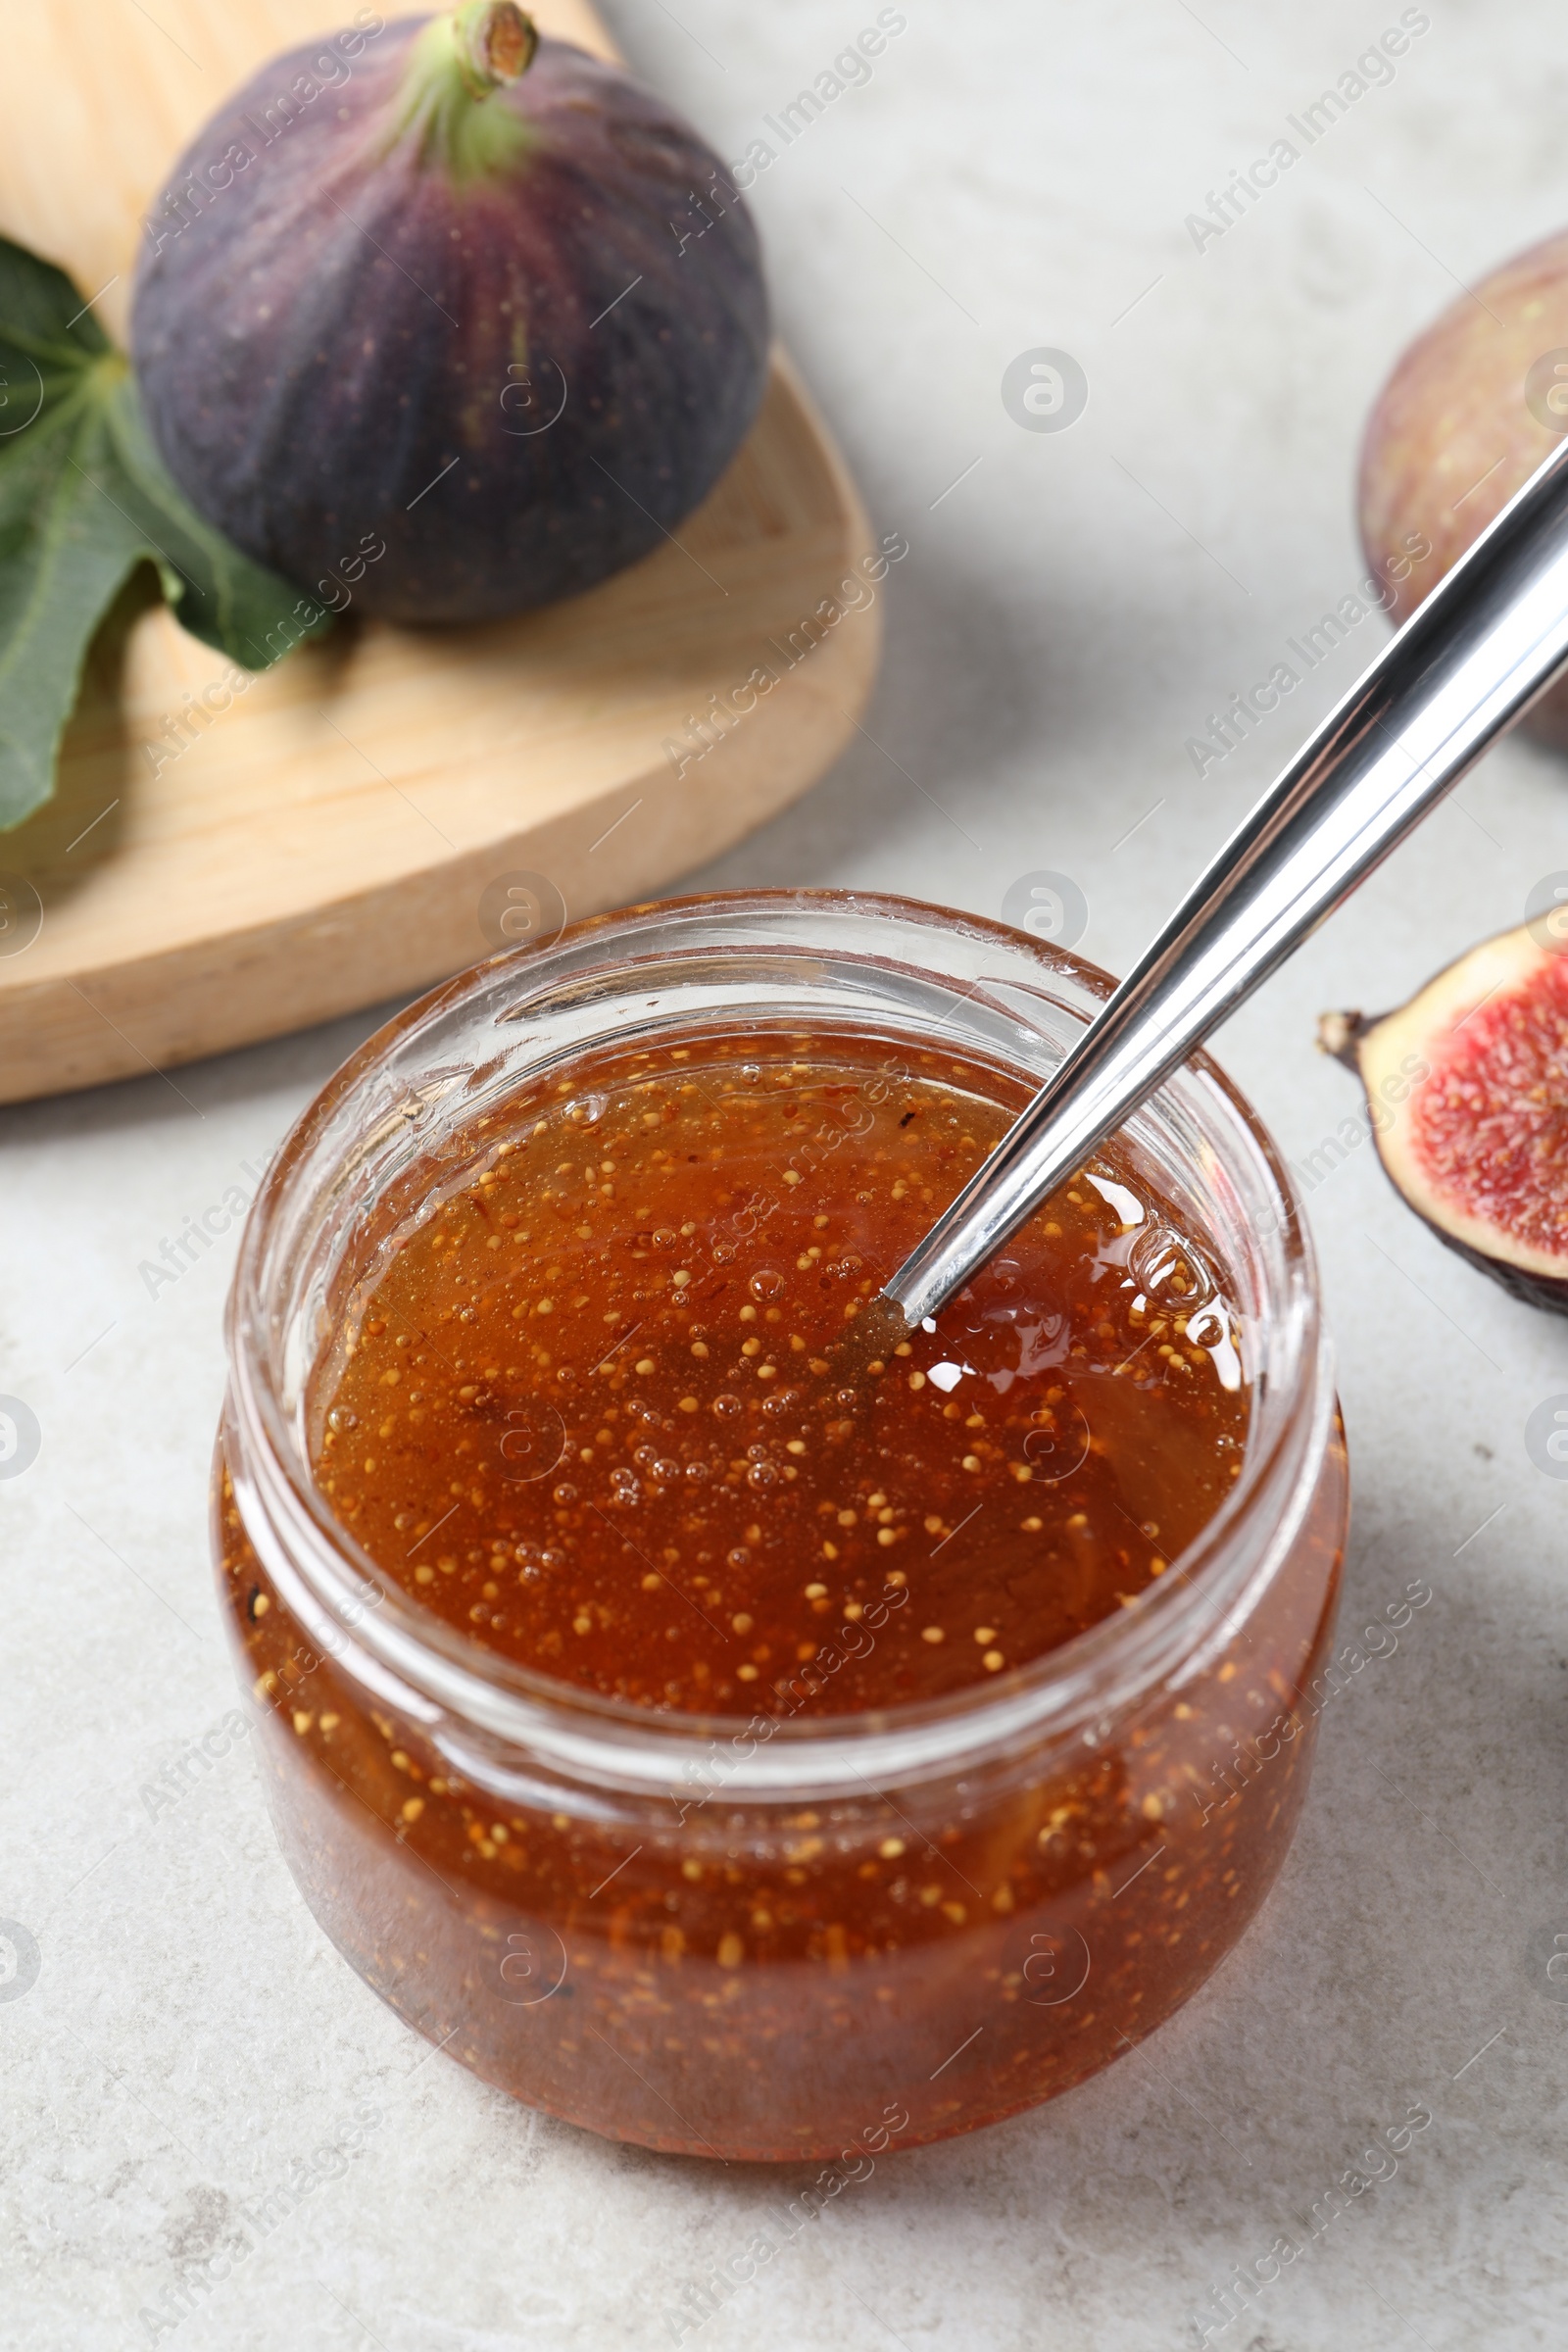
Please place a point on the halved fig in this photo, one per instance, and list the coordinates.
(1467, 1098)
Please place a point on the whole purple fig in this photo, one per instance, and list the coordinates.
(448, 320)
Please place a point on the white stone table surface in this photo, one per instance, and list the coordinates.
(1014, 175)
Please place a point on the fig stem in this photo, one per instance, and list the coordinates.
(1340, 1033)
(494, 43)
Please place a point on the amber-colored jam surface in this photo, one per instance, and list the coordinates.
(589, 1403)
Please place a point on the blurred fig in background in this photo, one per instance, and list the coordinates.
(1468, 413)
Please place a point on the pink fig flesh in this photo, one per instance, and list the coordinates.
(1468, 1095)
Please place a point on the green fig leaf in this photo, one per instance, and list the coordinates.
(84, 498)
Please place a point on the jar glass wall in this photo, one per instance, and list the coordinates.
(785, 1935)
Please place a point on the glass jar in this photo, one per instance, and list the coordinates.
(657, 1925)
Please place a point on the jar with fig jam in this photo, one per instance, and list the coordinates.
(703, 1737)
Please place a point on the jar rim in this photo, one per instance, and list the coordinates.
(380, 1632)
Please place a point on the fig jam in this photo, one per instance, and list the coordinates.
(723, 1843)
(585, 1403)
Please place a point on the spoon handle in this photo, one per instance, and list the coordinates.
(1465, 665)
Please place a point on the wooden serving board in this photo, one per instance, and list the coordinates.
(328, 839)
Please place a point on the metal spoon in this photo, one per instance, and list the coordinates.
(1465, 665)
